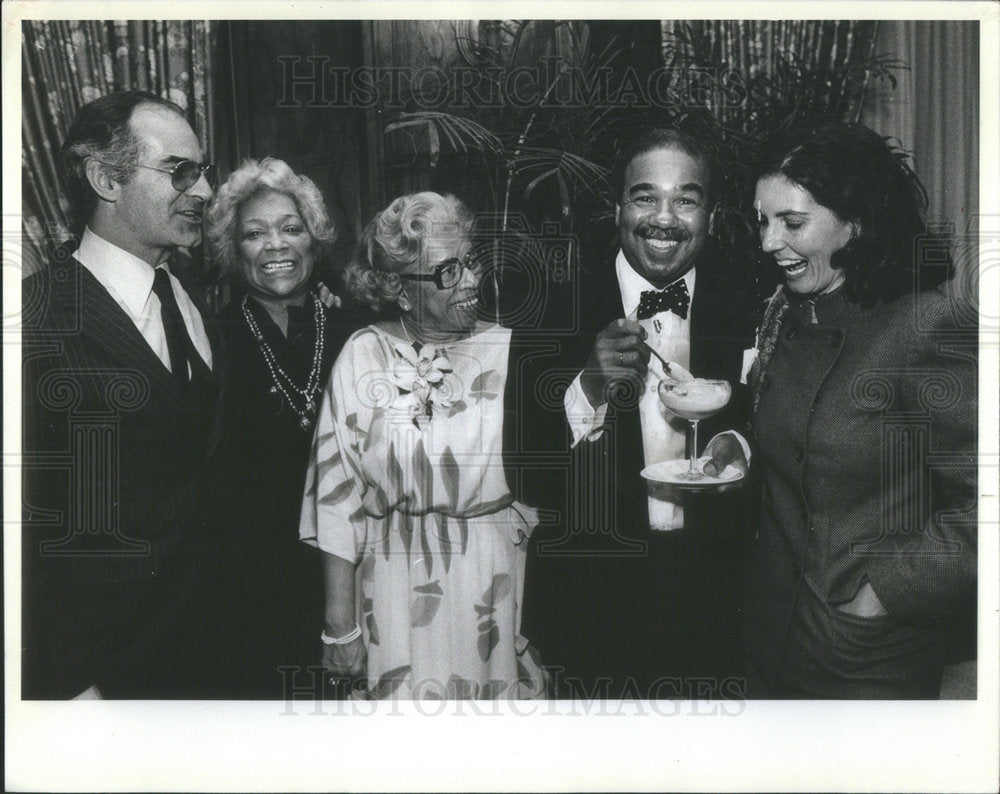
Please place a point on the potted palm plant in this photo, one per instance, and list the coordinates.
(534, 156)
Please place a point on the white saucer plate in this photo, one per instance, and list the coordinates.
(670, 471)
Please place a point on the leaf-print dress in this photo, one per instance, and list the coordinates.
(419, 499)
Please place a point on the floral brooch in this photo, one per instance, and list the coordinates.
(425, 382)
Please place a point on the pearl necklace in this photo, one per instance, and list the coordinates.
(281, 378)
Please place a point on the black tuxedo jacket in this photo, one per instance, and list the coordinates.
(118, 540)
(606, 597)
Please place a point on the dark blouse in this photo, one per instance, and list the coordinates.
(266, 445)
(260, 471)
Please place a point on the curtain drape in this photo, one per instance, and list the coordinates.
(273, 100)
(825, 61)
(797, 69)
(66, 64)
(934, 112)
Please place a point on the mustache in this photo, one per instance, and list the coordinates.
(677, 235)
(192, 205)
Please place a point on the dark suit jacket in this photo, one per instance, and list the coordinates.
(117, 536)
(606, 596)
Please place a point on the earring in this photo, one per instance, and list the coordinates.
(404, 303)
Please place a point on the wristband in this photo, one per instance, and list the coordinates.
(351, 636)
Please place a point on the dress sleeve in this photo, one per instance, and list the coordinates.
(931, 570)
(333, 517)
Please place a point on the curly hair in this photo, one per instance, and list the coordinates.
(865, 181)
(101, 131)
(251, 179)
(696, 144)
(395, 238)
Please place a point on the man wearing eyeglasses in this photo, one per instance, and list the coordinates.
(119, 388)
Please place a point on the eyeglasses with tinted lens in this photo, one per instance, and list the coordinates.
(449, 272)
(184, 175)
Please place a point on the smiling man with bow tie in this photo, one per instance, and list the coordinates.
(635, 589)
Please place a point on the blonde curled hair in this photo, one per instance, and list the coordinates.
(395, 238)
(251, 179)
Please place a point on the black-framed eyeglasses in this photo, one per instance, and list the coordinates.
(449, 272)
(186, 173)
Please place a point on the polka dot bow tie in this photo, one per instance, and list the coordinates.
(672, 299)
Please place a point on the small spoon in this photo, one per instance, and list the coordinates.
(673, 371)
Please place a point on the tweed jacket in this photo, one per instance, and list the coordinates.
(866, 435)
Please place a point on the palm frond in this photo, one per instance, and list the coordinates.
(576, 170)
(462, 134)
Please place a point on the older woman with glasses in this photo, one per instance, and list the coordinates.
(422, 540)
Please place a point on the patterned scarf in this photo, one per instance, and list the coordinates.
(767, 337)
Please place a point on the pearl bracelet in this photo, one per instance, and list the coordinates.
(351, 636)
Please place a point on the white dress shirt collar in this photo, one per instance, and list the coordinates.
(129, 282)
(122, 274)
(632, 285)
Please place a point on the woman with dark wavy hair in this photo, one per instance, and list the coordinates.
(866, 548)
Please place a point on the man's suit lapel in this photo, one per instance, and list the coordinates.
(214, 378)
(607, 297)
(704, 307)
(709, 317)
(721, 328)
(103, 322)
(708, 314)
(212, 330)
(607, 307)
(718, 317)
(711, 355)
